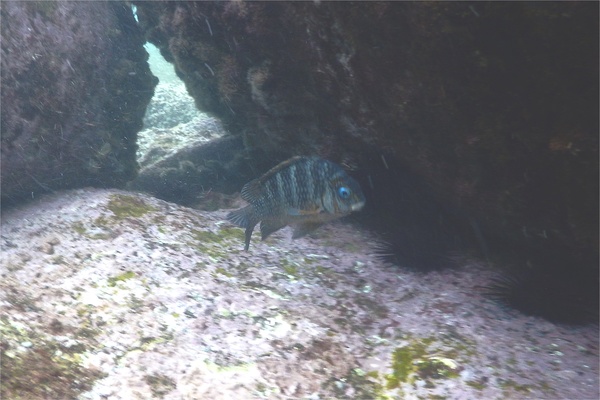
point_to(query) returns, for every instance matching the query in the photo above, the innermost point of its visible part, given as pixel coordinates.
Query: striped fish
(304, 192)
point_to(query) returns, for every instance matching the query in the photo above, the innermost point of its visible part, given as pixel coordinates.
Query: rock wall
(75, 85)
(494, 105)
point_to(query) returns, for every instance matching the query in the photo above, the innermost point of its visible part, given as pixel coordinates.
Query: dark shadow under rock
(420, 231)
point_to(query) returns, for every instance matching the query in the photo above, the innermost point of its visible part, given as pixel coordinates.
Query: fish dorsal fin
(253, 189)
(280, 166)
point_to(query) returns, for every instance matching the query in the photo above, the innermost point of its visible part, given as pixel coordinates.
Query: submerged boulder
(113, 294)
(493, 106)
(75, 85)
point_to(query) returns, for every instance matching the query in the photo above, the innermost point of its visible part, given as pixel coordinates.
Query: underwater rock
(156, 143)
(141, 298)
(494, 106)
(170, 106)
(185, 170)
(75, 85)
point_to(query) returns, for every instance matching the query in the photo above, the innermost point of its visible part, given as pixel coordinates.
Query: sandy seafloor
(107, 294)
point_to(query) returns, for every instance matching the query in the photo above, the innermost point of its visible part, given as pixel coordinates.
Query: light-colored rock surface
(172, 121)
(157, 144)
(114, 295)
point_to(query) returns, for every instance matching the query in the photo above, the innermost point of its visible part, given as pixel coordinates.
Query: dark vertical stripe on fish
(280, 187)
(293, 184)
(319, 176)
(271, 196)
(302, 184)
(307, 188)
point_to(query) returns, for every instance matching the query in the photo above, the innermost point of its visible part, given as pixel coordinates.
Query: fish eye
(344, 192)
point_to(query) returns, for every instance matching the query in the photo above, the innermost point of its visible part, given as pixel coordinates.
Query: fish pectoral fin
(269, 226)
(304, 228)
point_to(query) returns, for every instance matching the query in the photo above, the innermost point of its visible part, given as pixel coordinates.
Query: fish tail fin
(246, 218)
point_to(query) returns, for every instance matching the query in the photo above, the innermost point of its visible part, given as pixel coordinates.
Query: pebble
(46, 248)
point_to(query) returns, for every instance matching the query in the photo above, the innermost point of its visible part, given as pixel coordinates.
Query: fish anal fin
(268, 226)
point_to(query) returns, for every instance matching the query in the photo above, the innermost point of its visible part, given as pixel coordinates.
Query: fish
(303, 192)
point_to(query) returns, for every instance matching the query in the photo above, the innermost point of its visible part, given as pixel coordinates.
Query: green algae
(102, 222)
(30, 370)
(123, 206)
(87, 333)
(99, 223)
(22, 301)
(200, 266)
(324, 271)
(262, 288)
(479, 385)
(217, 246)
(415, 361)
(206, 236)
(375, 307)
(135, 304)
(290, 268)
(365, 385)
(224, 272)
(264, 390)
(160, 384)
(228, 232)
(224, 234)
(403, 363)
(437, 368)
(78, 227)
(57, 260)
(45, 9)
(510, 384)
(112, 281)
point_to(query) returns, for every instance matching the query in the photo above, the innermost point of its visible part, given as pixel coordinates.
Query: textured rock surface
(183, 174)
(75, 84)
(110, 294)
(170, 106)
(493, 104)
(185, 155)
(174, 163)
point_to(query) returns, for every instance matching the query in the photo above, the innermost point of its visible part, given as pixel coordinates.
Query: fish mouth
(357, 206)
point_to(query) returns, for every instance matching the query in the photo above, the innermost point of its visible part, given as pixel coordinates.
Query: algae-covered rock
(141, 298)
(75, 84)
